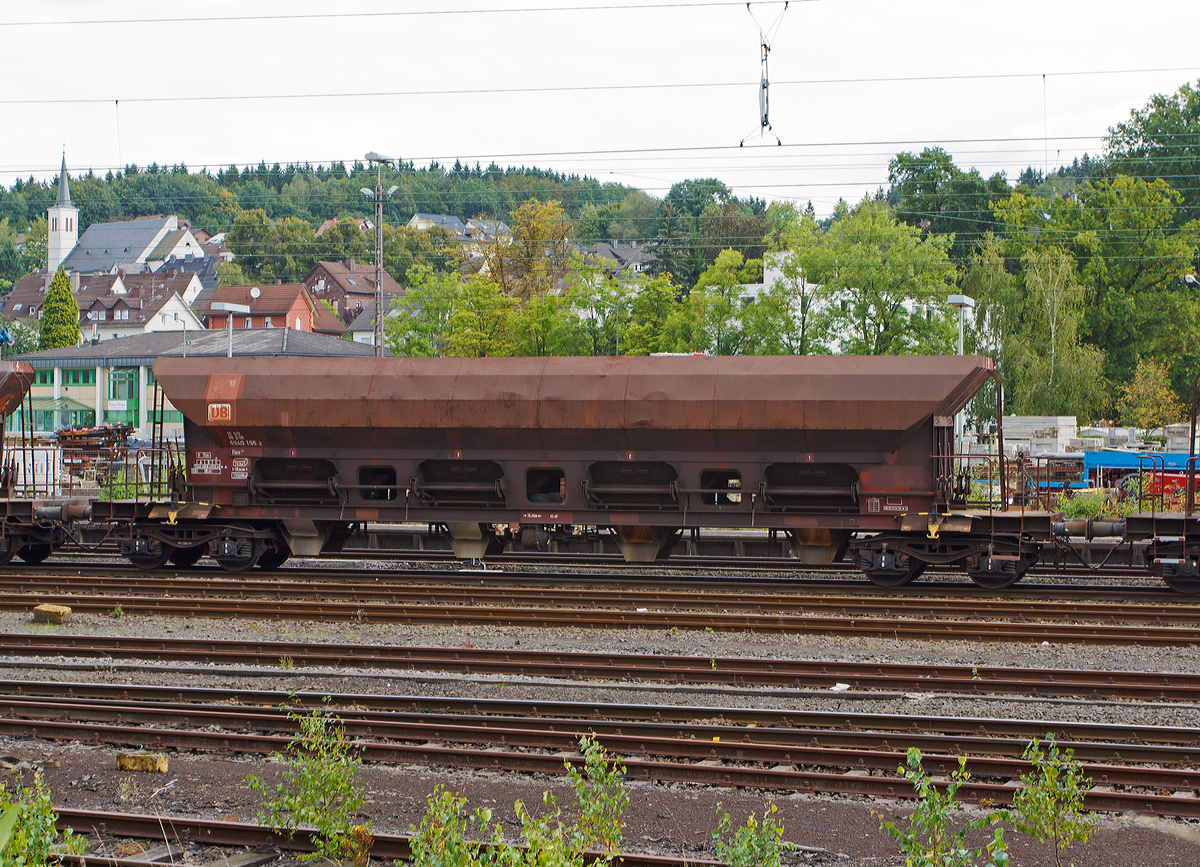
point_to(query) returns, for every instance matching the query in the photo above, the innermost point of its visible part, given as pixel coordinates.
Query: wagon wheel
(34, 552)
(185, 557)
(8, 547)
(248, 550)
(999, 578)
(273, 556)
(1187, 585)
(154, 557)
(891, 580)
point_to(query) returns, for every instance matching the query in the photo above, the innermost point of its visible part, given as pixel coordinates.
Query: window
(43, 377)
(149, 376)
(80, 376)
(297, 323)
(267, 322)
(123, 384)
(248, 321)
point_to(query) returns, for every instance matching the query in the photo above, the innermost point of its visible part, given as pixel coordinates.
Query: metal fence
(47, 472)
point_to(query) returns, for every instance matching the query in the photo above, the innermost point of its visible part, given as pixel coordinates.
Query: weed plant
(28, 837)
(319, 790)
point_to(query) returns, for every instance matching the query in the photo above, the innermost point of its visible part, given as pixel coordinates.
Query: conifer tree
(60, 315)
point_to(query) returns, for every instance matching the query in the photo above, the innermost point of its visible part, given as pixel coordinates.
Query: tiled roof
(105, 245)
(167, 244)
(28, 292)
(352, 277)
(325, 321)
(274, 299)
(446, 221)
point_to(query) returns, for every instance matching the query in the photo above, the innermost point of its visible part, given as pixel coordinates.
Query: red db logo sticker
(220, 412)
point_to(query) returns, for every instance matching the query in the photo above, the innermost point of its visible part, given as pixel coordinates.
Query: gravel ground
(663, 818)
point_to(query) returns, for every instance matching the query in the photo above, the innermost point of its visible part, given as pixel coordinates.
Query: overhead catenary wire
(582, 88)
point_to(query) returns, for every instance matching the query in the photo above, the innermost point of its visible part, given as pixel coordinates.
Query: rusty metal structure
(844, 454)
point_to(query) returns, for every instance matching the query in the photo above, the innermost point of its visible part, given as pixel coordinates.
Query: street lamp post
(963, 303)
(379, 160)
(229, 309)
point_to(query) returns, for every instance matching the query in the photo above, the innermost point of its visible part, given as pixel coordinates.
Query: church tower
(62, 224)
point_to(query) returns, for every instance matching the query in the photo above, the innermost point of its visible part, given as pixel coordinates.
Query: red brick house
(349, 285)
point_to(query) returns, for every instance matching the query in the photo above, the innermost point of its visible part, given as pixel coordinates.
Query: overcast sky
(649, 92)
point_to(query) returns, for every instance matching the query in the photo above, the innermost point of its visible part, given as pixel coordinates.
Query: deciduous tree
(1147, 400)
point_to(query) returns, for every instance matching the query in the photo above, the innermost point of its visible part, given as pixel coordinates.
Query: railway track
(811, 752)
(614, 568)
(797, 674)
(223, 833)
(914, 617)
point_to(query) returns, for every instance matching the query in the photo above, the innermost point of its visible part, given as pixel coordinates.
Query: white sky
(838, 136)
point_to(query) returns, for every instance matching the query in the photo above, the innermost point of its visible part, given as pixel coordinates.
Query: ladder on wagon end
(166, 460)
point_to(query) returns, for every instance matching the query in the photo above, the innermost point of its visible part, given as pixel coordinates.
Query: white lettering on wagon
(207, 465)
(240, 468)
(237, 439)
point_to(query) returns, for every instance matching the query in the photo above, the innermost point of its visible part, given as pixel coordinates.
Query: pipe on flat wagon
(64, 512)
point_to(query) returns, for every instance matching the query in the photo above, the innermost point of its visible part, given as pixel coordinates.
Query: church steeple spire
(62, 224)
(64, 189)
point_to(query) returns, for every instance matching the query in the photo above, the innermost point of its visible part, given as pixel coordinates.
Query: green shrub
(547, 841)
(1049, 806)
(752, 845)
(933, 837)
(319, 790)
(27, 833)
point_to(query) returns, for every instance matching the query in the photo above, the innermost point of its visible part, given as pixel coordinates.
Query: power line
(412, 13)
(583, 88)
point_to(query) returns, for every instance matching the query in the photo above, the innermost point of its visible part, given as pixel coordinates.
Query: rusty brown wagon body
(287, 454)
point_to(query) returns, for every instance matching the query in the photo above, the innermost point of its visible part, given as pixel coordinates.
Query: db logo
(220, 412)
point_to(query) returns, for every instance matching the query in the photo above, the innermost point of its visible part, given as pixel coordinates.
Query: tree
(1130, 258)
(251, 240)
(650, 306)
(344, 240)
(634, 218)
(1147, 401)
(545, 326)
(731, 226)
(25, 339)
(480, 322)
(538, 257)
(1160, 141)
(791, 317)
(886, 283)
(35, 250)
(717, 302)
(60, 315)
(291, 251)
(231, 274)
(421, 326)
(929, 191)
(1049, 370)
(675, 247)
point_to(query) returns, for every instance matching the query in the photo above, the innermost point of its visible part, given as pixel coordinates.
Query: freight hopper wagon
(845, 454)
